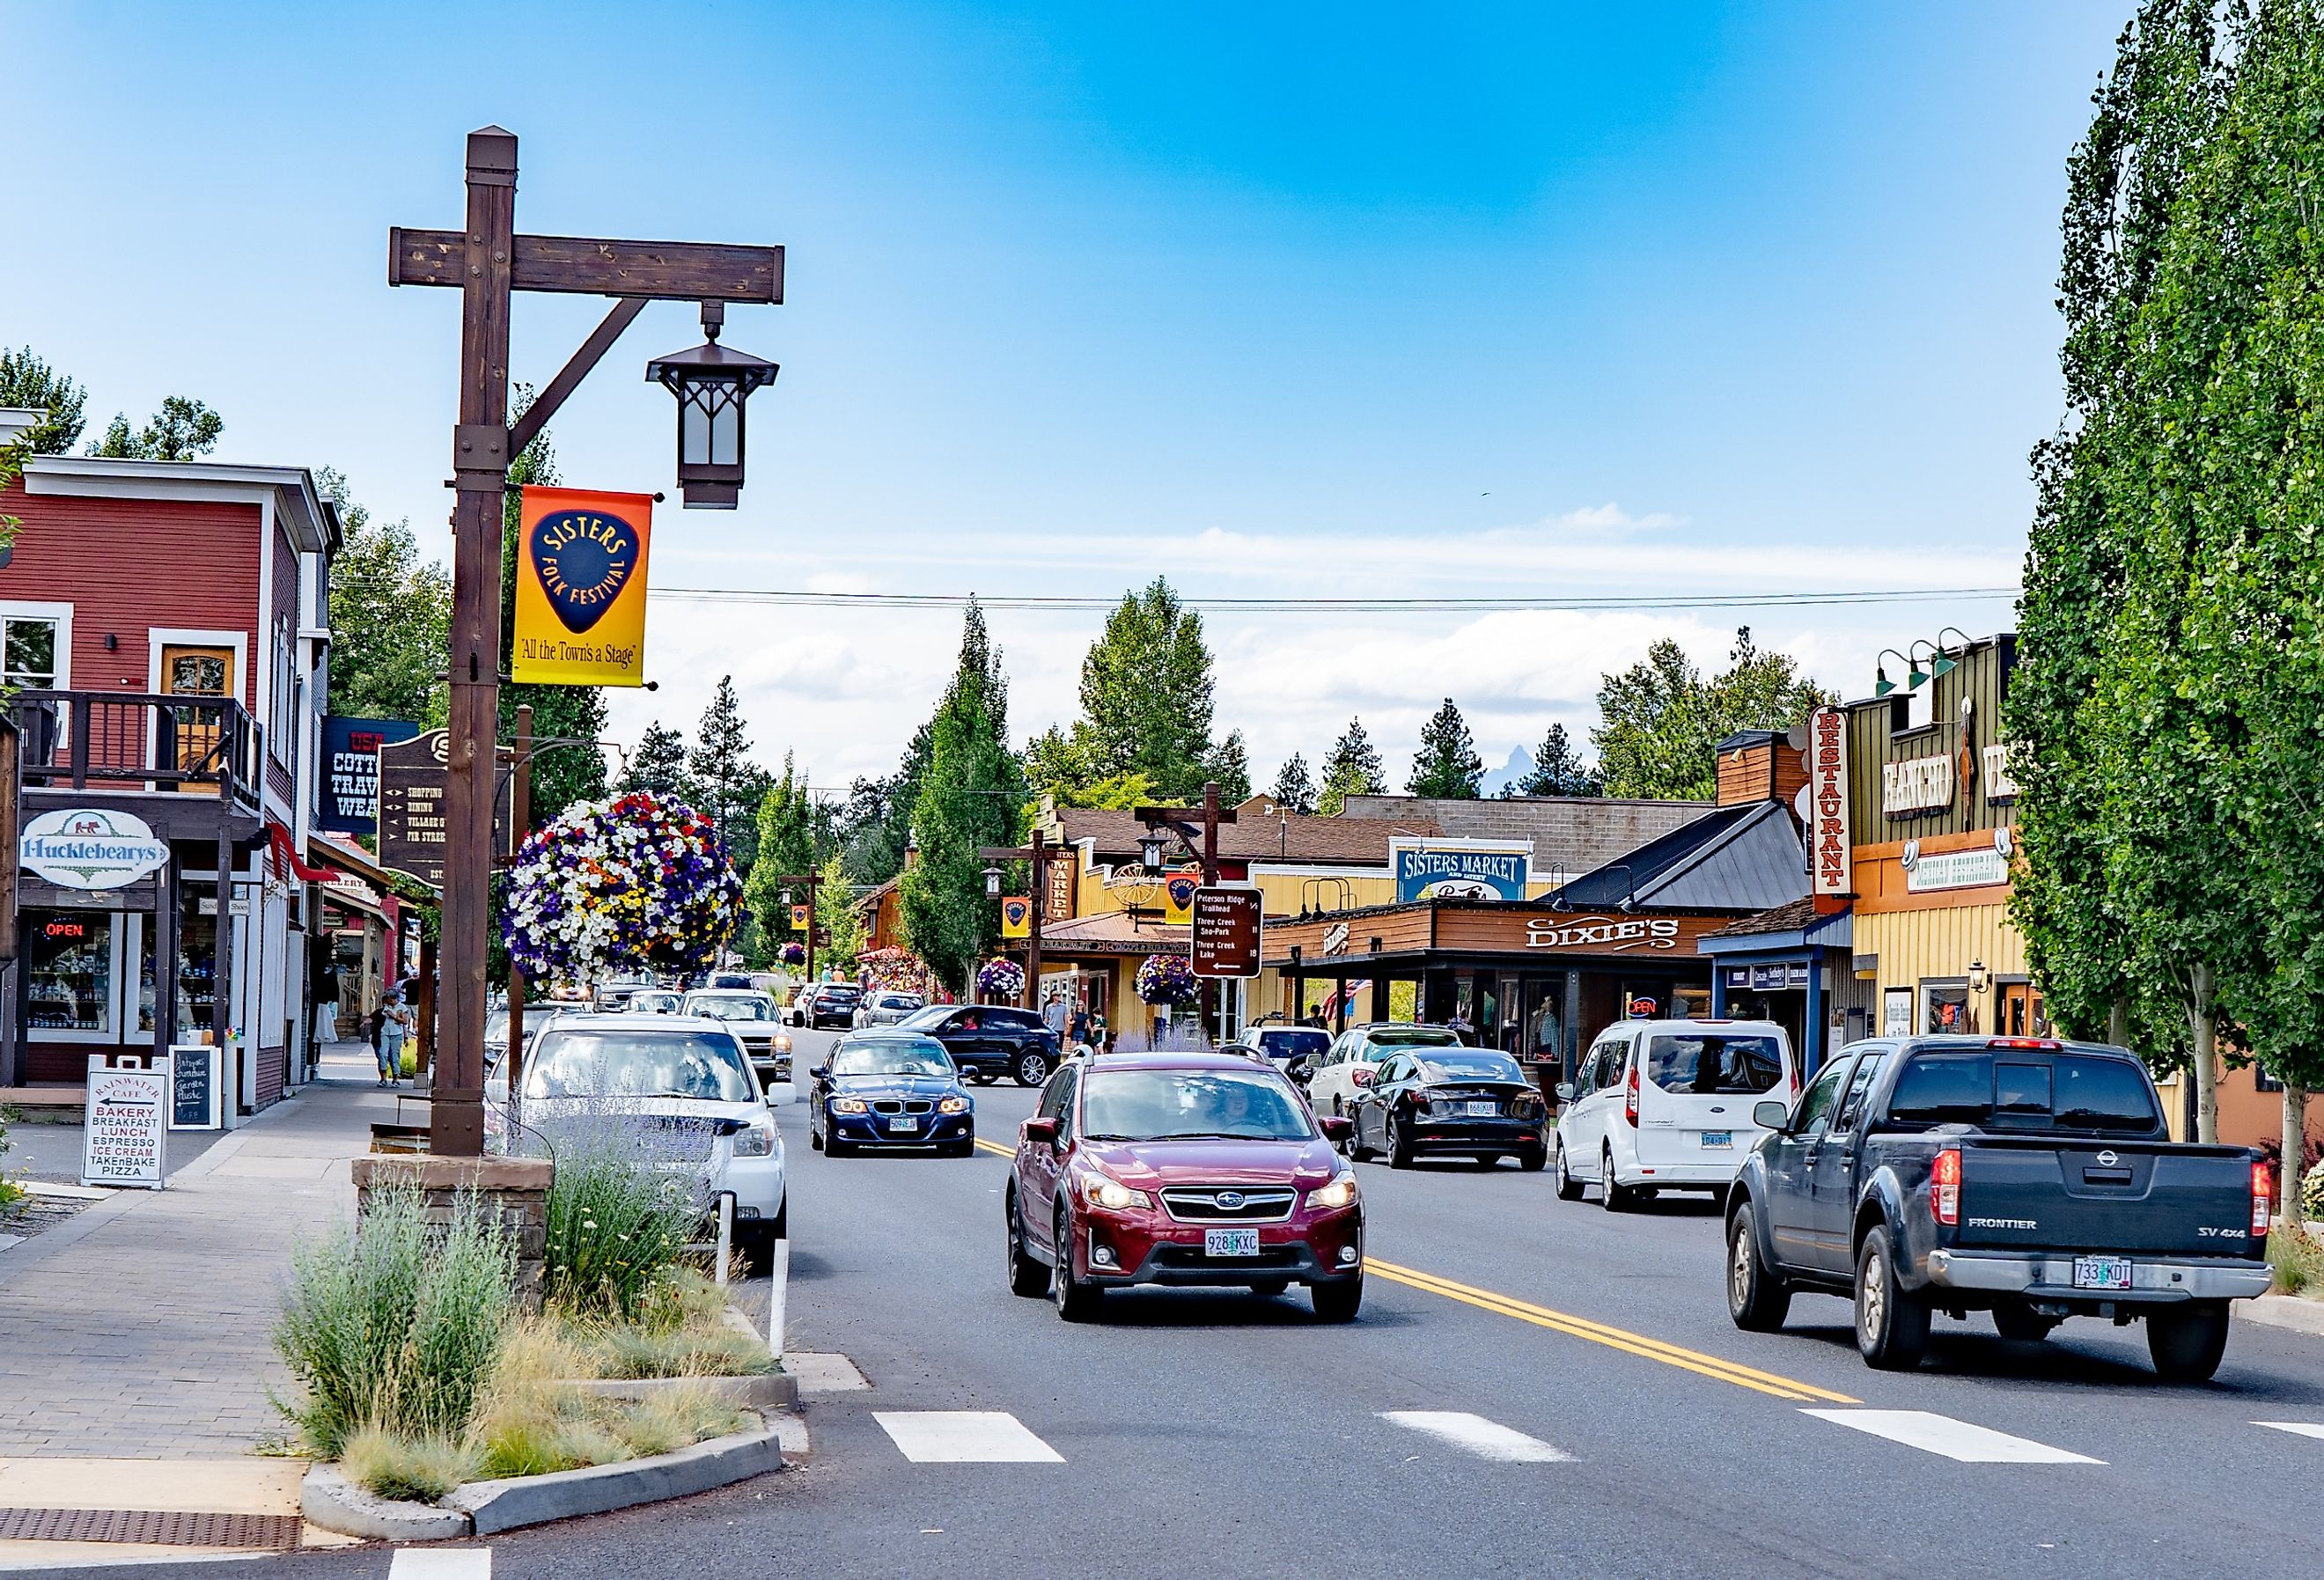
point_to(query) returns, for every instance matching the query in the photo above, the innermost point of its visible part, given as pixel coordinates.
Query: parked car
(655, 1002)
(889, 1088)
(1667, 1105)
(1181, 1169)
(720, 980)
(753, 1019)
(885, 1009)
(1341, 1072)
(1284, 1045)
(988, 1041)
(496, 1026)
(674, 1076)
(2029, 1177)
(826, 1004)
(613, 994)
(1451, 1103)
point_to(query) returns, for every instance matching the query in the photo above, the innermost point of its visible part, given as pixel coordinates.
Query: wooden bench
(398, 1137)
(43, 1097)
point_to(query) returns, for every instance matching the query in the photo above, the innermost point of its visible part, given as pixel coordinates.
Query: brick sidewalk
(142, 1332)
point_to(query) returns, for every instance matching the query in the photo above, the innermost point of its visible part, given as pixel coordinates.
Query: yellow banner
(798, 919)
(581, 588)
(1016, 917)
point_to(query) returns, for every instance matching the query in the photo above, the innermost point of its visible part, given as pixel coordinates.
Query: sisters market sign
(1459, 872)
(84, 848)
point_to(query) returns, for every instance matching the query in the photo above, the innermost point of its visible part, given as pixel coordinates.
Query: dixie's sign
(1446, 871)
(1612, 935)
(84, 848)
(1828, 838)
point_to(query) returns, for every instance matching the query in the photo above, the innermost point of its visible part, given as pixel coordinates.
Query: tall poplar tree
(971, 795)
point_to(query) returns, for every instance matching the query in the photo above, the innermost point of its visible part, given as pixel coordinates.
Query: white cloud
(1612, 517)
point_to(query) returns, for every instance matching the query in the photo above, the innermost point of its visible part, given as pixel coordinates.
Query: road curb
(329, 1500)
(2293, 1312)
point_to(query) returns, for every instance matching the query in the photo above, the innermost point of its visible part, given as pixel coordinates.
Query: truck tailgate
(2053, 1193)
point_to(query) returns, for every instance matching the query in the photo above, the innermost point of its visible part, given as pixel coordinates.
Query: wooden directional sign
(412, 779)
(1228, 925)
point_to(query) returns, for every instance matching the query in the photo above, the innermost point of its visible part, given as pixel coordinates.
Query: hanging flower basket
(637, 883)
(1000, 981)
(794, 954)
(1169, 979)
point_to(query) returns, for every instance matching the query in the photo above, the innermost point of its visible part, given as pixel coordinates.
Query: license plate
(1719, 1138)
(2101, 1272)
(1481, 1110)
(905, 1121)
(1229, 1243)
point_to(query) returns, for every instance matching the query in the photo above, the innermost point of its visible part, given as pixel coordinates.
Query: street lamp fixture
(1944, 664)
(1980, 978)
(1154, 848)
(1919, 677)
(711, 384)
(1881, 684)
(992, 882)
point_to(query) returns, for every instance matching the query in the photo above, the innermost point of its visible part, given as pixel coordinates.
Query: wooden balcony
(114, 743)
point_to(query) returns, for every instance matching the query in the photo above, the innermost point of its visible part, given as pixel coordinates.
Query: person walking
(1053, 1013)
(395, 1024)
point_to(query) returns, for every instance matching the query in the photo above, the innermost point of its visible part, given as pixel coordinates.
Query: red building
(164, 625)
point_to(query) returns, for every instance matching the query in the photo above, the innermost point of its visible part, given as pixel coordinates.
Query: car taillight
(1361, 1074)
(1630, 1098)
(2262, 1198)
(1944, 1186)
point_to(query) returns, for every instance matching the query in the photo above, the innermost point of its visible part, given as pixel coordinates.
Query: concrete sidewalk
(139, 1330)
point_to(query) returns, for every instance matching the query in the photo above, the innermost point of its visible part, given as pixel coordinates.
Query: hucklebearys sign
(581, 588)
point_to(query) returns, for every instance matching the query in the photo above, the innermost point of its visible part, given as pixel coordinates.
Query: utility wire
(1311, 605)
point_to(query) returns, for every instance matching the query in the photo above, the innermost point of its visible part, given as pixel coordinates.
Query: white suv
(1666, 1105)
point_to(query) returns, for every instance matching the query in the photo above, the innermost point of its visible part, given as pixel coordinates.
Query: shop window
(1945, 1007)
(68, 972)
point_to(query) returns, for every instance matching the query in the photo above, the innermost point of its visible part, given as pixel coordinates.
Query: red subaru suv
(1179, 1169)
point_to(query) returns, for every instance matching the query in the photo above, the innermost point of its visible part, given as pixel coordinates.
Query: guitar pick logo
(582, 558)
(1182, 887)
(1015, 912)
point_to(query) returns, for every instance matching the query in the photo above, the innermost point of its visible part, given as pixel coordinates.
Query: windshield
(835, 991)
(1478, 1066)
(2066, 1092)
(736, 1009)
(926, 1017)
(496, 1025)
(891, 1056)
(897, 1001)
(581, 1063)
(1154, 1105)
(1412, 1036)
(1293, 1044)
(1712, 1063)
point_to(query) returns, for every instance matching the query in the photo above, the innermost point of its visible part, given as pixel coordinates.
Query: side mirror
(821, 1072)
(1771, 1116)
(1041, 1128)
(1336, 1127)
(1565, 1091)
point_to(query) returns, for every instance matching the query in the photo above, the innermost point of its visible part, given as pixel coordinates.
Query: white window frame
(61, 616)
(157, 637)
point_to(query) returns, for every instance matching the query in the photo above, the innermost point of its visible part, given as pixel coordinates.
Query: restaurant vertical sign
(1830, 873)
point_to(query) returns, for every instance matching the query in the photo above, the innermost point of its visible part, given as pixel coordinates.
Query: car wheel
(1027, 1277)
(813, 1139)
(1399, 1145)
(1611, 1195)
(755, 1238)
(2022, 1324)
(1076, 1301)
(1568, 1188)
(1534, 1159)
(1271, 1288)
(2187, 1342)
(1337, 1302)
(1891, 1324)
(1032, 1068)
(781, 1228)
(1757, 1300)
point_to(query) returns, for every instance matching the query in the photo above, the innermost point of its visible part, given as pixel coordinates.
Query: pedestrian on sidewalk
(395, 1023)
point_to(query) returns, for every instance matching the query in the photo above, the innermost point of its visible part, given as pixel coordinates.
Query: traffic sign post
(1229, 925)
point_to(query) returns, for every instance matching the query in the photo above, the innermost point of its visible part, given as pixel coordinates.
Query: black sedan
(1451, 1102)
(885, 1089)
(829, 1005)
(991, 1041)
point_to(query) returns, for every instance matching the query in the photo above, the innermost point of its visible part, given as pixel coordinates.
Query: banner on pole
(581, 588)
(1016, 915)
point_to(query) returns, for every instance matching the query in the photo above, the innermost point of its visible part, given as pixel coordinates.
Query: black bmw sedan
(1451, 1102)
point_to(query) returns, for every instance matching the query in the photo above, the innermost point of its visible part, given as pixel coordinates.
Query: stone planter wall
(516, 1188)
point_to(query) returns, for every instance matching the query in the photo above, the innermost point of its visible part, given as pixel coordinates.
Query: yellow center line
(995, 1148)
(1598, 1333)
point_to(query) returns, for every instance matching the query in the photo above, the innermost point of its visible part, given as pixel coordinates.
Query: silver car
(885, 1009)
(754, 1018)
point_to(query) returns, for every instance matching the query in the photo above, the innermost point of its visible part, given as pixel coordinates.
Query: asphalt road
(1200, 1434)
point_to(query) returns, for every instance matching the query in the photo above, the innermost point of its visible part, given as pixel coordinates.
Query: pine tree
(1293, 791)
(1230, 766)
(1354, 769)
(1558, 769)
(726, 784)
(1447, 763)
(659, 764)
(971, 795)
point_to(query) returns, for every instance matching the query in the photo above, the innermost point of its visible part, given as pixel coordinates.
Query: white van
(1666, 1105)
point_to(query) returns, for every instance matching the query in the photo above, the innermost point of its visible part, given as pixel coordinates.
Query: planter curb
(327, 1498)
(768, 1392)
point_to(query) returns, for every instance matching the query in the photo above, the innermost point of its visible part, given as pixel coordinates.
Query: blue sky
(1342, 300)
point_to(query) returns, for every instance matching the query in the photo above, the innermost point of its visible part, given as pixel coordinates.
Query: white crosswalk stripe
(1936, 1433)
(965, 1437)
(2305, 1428)
(441, 1563)
(1485, 1440)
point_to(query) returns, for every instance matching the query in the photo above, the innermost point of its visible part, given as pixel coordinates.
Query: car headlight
(952, 1106)
(782, 1043)
(1340, 1192)
(850, 1105)
(1101, 1191)
(756, 1141)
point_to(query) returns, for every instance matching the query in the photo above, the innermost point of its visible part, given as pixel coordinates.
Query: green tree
(658, 765)
(878, 824)
(972, 795)
(786, 843)
(180, 431)
(1352, 769)
(563, 774)
(1230, 766)
(726, 784)
(1661, 719)
(391, 615)
(1292, 789)
(29, 383)
(1447, 763)
(841, 942)
(1558, 769)
(1146, 694)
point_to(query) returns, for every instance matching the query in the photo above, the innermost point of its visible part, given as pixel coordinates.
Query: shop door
(2019, 1012)
(196, 671)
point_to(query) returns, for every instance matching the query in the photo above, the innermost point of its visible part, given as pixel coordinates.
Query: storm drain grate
(161, 1527)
